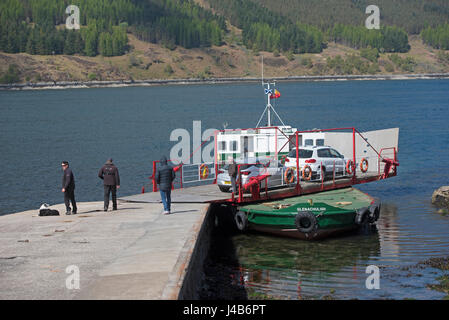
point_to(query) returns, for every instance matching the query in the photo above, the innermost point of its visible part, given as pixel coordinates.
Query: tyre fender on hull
(241, 221)
(306, 222)
(374, 211)
(362, 216)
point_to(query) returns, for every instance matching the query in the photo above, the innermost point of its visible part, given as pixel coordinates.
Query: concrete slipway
(132, 253)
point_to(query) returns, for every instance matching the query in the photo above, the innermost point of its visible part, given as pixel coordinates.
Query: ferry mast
(269, 90)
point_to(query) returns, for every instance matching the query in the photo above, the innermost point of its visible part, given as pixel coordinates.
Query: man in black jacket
(164, 178)
(68, 188)
(232, 171)
(111, 182)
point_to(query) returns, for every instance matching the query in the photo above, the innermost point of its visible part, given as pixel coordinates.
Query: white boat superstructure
(276, 141)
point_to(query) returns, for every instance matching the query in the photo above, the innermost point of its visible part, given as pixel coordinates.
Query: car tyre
(224, 189)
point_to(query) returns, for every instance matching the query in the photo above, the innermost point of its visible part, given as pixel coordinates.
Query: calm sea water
(39, 129)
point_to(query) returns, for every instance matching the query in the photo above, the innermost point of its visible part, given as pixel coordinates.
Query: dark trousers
(234, 185)
(166, 199)
(107, 191)
(69, 196)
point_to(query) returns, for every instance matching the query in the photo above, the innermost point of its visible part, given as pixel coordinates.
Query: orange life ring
(204, 171)
(350, 167)
(307, 176)
(364, 165)
(290, 179)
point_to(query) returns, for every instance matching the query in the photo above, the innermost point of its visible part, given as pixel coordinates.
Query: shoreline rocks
(440, 197)
(151, 82)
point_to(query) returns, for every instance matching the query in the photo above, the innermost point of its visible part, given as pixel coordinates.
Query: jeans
(108, 190)
(166, 199)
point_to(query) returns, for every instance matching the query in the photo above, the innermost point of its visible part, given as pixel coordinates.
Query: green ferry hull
(294, 233)
(314, 216)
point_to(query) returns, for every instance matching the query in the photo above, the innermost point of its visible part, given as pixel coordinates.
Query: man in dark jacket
(111, 182)
(164, 178)
(232, 171)
(68, 188)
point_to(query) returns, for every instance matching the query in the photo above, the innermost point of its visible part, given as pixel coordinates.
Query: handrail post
(298, 185)
(215, 156)
(240, 185)
(266, 187)
(353, 154)
(395, 160)
(276, 144)
(378, 162)
(154, 177)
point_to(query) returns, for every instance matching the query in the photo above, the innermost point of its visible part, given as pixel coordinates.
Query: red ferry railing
(386, 156)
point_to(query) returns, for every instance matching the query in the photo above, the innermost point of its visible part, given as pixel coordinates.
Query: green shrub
(372, 54)
(389, 67)
(134, 61)
(12, 75)
(405, 64)
(92, 76)
(443, 56)
(168, 70)
(207, 71)
(307, 62)
(373, 68)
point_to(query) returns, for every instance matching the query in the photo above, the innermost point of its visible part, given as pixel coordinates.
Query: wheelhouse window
(308, 142)
(319, 142)
(222, 146)
(233, 145)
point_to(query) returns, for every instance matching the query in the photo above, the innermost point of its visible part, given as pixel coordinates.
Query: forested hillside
(143, 39)
(266, 28)
(296, 26)
(411, 15)
(32, 25)
(437, 37)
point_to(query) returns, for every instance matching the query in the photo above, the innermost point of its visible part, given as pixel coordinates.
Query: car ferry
(299, 158)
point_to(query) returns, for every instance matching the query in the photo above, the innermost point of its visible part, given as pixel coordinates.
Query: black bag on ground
(46, 211)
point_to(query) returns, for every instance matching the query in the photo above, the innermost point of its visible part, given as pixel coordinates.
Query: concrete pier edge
(182, 281)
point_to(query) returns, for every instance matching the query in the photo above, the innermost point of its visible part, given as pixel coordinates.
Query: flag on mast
(276, 94)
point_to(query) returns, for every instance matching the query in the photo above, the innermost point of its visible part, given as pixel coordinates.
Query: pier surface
(132, 253)
(198, 194)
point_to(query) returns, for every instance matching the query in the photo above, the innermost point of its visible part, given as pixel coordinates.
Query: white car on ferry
(318, 159)
(252, 167)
